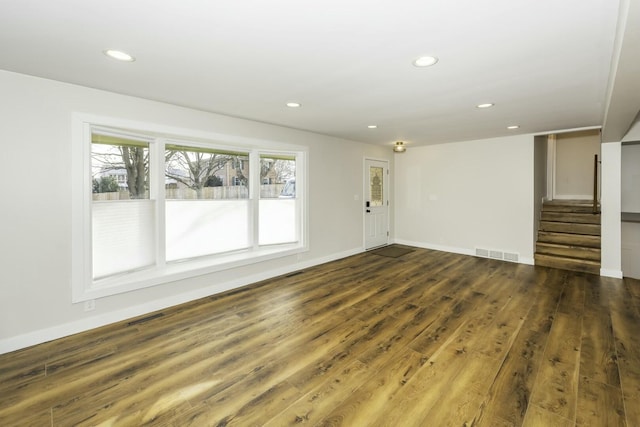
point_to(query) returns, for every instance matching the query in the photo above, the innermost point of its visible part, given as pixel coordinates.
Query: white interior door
(376, 203)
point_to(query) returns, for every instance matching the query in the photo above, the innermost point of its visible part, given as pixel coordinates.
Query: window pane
(275, 173)
(120, 168)
(204, 227)
(277, 218)
(123, 236)
(122, 216)
(195, 173)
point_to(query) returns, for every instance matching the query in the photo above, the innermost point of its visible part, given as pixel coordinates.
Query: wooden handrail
(595, 184)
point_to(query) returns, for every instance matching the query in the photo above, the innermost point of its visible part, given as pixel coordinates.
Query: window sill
(172, 272)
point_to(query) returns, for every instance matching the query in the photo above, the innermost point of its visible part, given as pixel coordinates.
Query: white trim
(455, 250)
(43, 335)
(387, 185)
(555, 132)
(611, 273)
(85, 288)
(551, 166)
(436, 247)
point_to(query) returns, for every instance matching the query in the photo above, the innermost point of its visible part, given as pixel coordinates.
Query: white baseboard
(59, 331)
(611, 273)
(452, 249)
(455, 250)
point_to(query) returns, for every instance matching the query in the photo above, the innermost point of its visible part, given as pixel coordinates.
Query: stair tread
(569, 206)
(569, 236)
(569, 222)
(571, 202)
(567, 259)
(569, 246)
(563, 233)
(581, 240)
(571, 217)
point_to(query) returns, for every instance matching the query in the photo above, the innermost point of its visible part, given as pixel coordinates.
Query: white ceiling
(544, 63)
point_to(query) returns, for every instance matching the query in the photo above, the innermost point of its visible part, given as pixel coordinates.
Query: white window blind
(123, 236)
(205, 227)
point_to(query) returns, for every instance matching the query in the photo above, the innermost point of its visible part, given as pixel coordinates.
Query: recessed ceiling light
(425, 61)
(119, 55)
(294, 104)
(373, 126)
(487, 105)
(513, 127)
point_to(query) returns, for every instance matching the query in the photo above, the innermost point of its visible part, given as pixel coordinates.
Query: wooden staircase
(569, 236)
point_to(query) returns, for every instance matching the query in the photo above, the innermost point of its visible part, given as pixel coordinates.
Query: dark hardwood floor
(427, 339)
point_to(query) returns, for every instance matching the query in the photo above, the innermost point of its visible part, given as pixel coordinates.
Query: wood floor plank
(460, 404)
(368, 402)
(451, 374)
(539, 417)
(428, 338)
(573, 295)
(443, 328)
(508, 397)
(599, 405)
(556, 387)
(598, 359)
(625, 321)
(545, 305)
(321, 399)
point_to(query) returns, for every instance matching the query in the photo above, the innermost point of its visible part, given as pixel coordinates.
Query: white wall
(610, 205)
(540, 153)
(464, 195)
(574, 164)
(631, 249)
(630, 178)
(630, 201)
(35, 226)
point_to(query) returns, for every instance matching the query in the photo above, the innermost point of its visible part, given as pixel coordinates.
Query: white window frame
(84, 287)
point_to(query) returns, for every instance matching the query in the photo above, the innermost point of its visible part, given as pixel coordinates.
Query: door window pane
(376, 183)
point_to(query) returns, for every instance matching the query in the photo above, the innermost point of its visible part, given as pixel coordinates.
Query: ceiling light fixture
(293, 104)
(487, 105)
(425, 61)
(119, 55)
(399, 147)
(513, 127)
(373, 126)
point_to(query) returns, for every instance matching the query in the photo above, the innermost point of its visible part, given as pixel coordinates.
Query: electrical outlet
(90, 305)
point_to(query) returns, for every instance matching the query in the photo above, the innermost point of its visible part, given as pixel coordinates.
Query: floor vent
(145, 319)
(295, 273)
(495, 254)
(482, 252)
(510, 257)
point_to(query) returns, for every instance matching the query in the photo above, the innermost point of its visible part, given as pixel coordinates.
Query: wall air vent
(482, 252)
(510, 257)
(495, 254)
